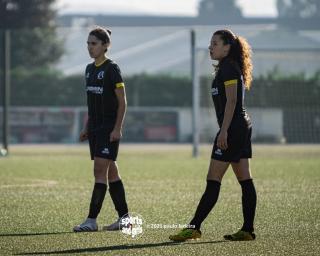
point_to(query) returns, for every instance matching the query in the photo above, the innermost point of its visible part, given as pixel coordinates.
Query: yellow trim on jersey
(231, 82)
(99, 64)
(119, 85)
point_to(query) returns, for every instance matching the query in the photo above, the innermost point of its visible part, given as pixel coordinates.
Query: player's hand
(115, 135)
(83, 135)
(222, 142)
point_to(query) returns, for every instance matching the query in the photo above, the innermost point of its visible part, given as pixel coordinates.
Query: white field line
(33, 184)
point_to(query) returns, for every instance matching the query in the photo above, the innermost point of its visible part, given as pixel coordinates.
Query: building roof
(167, 49)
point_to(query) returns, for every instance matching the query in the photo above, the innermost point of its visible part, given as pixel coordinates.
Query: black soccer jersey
(101, 82)
(228, 75)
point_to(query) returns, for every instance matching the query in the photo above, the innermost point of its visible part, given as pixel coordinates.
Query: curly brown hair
(240, 53)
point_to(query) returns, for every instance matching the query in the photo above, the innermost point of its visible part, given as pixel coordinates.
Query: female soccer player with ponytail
(107, 103)
(232, 145)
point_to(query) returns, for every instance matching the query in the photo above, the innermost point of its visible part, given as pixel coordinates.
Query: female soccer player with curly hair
(232, 145)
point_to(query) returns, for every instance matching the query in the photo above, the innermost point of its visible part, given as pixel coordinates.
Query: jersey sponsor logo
(105, 151)
(87, 75)
(218, 152)
(214, 91)
(95, 89)
(100, 75)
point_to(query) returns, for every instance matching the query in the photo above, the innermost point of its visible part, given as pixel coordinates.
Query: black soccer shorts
(100, 145)
(239, 145)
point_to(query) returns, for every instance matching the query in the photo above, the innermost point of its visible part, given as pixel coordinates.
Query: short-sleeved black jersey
(228, 75)
(101, 82)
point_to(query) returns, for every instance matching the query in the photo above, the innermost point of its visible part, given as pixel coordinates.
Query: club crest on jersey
(87, 75)
(100, 75)
(214, 91)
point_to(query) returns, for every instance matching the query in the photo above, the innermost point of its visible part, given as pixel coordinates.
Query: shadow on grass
(36, 234)
(120, 247)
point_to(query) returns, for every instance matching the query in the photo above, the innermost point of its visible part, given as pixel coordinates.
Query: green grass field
(45, 191)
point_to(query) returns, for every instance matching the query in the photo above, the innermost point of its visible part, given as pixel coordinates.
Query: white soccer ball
(3, 152)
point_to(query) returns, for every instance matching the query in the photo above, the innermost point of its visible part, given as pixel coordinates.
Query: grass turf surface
(45, 191)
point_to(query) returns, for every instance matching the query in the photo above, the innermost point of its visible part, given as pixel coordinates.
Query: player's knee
(240, 178)
(98, 169)
(113, 176)
(100, 172)
(243, 176)
(100, 176)
(215, 176)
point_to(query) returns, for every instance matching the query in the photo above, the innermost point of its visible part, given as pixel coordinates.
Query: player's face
(217, 49)
(96, 47)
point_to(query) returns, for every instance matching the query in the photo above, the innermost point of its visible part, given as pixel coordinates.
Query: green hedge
(159, 90)
(276, 93)
(49, 88)
(44, 87)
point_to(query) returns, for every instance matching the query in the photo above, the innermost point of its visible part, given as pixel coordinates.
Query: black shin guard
(249, 201)
(98, 194)
(118, 197)
(207, 202)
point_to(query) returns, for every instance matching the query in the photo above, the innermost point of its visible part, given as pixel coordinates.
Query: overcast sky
(261, 8)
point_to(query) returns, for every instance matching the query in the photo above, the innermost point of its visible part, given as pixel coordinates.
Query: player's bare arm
(116, 134)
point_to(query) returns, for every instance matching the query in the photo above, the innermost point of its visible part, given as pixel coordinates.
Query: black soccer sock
(207, 202)
(249, 201)
(98, 194)
(118, 197)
